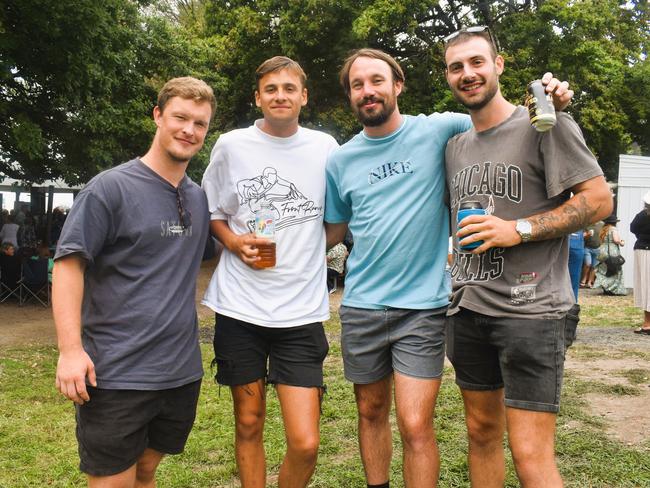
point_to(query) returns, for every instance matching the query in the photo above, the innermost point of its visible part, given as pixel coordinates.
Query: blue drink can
(466, 209)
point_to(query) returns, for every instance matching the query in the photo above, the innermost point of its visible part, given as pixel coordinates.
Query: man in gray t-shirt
(123, 292)
(511, 315)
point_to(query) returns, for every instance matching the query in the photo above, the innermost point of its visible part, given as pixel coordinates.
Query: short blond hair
(189, 88)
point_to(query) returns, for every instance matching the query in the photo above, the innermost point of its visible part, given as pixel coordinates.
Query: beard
(377, 118)
(477, 103)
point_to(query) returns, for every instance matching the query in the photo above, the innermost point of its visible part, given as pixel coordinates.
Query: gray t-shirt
(515, 172)
(139, 314)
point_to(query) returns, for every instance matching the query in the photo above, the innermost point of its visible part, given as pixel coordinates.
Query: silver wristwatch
(525, 229)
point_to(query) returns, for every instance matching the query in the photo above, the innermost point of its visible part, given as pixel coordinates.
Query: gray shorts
(377, 342)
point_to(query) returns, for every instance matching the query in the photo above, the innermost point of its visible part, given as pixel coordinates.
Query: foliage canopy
(78, 78)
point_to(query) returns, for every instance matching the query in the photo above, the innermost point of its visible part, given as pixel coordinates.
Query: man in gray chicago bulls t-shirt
(509, 321)
(123, 292)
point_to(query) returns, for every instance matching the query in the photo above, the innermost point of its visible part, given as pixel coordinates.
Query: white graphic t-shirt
(250, 168)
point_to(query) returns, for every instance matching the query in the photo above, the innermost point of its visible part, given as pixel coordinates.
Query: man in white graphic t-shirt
(271, 316)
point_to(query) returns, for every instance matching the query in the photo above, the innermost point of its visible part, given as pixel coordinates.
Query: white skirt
(642, 279)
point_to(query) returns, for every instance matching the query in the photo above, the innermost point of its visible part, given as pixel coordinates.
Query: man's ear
(157, 115)
(500, 63)
(399, 86)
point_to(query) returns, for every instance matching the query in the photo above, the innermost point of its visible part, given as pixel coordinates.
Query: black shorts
(523, 356)
(116, 426)
(295, 355)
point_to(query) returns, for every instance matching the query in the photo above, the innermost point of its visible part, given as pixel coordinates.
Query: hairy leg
(415, 400)
(486, 423)
(532, 442)
(375, 442)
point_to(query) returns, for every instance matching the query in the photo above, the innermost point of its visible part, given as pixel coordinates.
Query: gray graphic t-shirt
(139, 314)
(515, 172)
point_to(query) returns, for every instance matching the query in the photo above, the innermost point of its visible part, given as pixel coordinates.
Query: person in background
(8, 249)
(592, 243)
(640, 227)
(611, 281)
(576, 258)
(335, 265)
(9, 231)
(43, 252)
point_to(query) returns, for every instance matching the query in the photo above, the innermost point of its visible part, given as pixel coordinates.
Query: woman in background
(611, 243)
(640, 227)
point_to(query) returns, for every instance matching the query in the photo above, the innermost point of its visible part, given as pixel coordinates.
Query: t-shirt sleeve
(216, 184)
(567, 159)
(88, 226)
(451, 123)
(337, 211)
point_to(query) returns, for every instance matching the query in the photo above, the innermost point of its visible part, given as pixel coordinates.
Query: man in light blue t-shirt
(387, 185)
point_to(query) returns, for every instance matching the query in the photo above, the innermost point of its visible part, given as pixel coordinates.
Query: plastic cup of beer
(265, 229)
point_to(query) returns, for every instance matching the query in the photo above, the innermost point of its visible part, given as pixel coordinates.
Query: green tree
(77, 81)
(78, 78)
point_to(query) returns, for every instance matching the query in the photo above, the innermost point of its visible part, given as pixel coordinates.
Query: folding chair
(35, 282)
(9, 277)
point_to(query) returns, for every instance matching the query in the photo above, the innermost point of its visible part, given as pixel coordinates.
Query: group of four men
(129, 254)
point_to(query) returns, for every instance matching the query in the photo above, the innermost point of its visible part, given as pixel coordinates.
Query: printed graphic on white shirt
(288, 203)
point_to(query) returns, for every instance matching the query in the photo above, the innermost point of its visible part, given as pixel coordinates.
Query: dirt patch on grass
(626, 416)
(617, 358)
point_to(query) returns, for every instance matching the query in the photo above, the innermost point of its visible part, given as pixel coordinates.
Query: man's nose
(468, 72)
(368, 89)
(188, 127)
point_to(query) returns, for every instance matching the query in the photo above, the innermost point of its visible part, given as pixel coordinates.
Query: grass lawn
(38, 446)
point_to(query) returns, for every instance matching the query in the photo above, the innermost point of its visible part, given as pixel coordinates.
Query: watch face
(524, 229)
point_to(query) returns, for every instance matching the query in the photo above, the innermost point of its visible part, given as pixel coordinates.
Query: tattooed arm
(591, 202)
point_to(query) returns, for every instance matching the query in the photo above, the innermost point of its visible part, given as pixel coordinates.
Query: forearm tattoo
(573, 215)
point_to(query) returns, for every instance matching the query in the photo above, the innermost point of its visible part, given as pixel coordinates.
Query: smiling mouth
(471, 86)
(370, 103)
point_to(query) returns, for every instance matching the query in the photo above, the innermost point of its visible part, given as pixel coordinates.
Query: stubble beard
(477, 104)
(378, 118)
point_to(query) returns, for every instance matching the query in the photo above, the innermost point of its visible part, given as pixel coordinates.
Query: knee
(250, 426)
(529, 459)
(417, 432)
(485, 432)
(145, 471)
(304, 449)
(373, 411)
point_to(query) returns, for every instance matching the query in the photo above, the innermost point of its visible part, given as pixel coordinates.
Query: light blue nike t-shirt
(391, 192)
